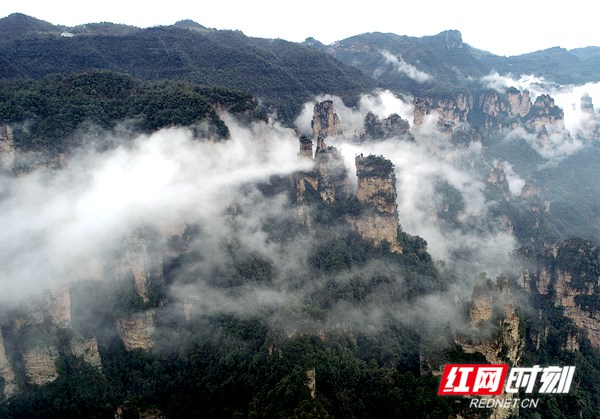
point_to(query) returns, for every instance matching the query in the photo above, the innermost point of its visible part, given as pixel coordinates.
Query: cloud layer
(405, 68)
(56, 220)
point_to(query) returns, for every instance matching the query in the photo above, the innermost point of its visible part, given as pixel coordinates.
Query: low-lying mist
(57, 220)
(251, 254)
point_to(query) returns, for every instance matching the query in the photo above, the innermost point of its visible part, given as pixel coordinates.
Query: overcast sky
(508, 27)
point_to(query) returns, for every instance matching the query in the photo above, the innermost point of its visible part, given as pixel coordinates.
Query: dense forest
(48, 112)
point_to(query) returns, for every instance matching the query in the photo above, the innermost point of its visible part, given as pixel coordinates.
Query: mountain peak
(19, 24)
(189, 24)
(312, 42)
(451, 38)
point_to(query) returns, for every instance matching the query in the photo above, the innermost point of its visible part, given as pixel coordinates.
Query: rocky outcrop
(306, 147)
(566, 275)
(7, 373)
(7, 148)
(572, 342)
(492, 111)
(545, 113)
(86, 349)
(56, 303)
(137, 330)
(325, 122)
(311, 382)
(493, 306)
(377, 220)
(40, 365)
(589, 127)
(145, 265)
(516, 103)
(381, 129)
(328, 181)
(528, 190)
(499, 111)
(376, 192)
(566, 296)
(35, 344)
(37, 332)
(482, 305)
(451, 112)
(497, 180)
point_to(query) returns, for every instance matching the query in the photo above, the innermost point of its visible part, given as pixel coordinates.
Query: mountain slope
(409, 63)
(282, 73)
(444, 61)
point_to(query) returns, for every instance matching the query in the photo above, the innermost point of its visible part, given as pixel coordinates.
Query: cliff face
(566, 296)
(376, 192)
(311, 382)
(7, 148)
(42, 331)
(590, 126)
(570, 275)
(137, 330)
(328, 181)
(504, 110)
(493, 306)
(306, 147)
(37, 340)
(492, 111)
(36, 346)
(325, 122)
(451, 111)
(145, 265)
(7, 372)
(497, 179)
(380, 129)
(56, 303)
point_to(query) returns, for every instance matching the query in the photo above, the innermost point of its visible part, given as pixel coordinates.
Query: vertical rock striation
(137, 330)
(376, 192)
(325, 122)
(7, 373)
(7, 148)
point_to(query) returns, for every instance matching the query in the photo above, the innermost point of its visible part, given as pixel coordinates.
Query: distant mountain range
(283, 74)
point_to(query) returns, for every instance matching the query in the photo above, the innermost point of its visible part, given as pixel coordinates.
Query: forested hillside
(281, 73)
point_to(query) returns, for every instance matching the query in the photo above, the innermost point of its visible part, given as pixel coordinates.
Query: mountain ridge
(30, 23)
(284, 74)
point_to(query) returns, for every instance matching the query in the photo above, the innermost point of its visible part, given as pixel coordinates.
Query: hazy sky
(509, 27)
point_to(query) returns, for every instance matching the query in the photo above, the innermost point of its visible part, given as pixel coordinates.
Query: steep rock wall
(36, 347)
(492, 111)
(7, 148)
(566, 294)
(137, 330)
(325, 122)
(568, 274)
(376, 192)
(7, 372)
(493, 305)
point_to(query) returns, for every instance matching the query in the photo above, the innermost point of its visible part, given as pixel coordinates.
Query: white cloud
(56, 221)
(384, 103)
(405, 68)
(417, 171)
(515, 182)
(568, 97)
